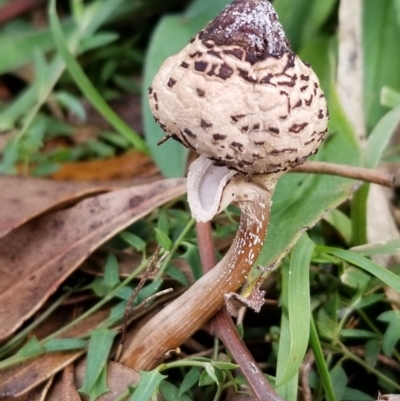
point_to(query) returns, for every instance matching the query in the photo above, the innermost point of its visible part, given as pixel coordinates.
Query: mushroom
(240, 97)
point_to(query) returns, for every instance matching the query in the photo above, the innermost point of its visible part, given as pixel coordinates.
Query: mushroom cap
(238, 95)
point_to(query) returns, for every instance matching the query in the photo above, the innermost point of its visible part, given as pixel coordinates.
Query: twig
(17, 7)
(223, 327)
(304, 372)
(153, 266)
(342, 170)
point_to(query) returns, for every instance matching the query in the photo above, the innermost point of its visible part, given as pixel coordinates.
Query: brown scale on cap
(240, 76)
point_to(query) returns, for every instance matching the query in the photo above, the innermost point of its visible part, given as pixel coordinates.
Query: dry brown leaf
(39, 256)
(129, 165)
(119, 377)
(18, 380)
(69, 390)
(23, 198)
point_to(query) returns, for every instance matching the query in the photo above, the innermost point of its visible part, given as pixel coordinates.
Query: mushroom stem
(181, 318)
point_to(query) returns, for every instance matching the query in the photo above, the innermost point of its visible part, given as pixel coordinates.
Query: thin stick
(223, 327)
(342, 170)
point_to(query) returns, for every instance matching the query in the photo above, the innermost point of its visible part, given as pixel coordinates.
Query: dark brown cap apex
(250, 24)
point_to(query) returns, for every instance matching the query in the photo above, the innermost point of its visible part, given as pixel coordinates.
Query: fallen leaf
(129, 165)
(39, 256)
(19, 380)
(23, 198)
(119, 377)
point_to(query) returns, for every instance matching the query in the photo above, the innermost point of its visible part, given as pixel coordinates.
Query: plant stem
(223, 327)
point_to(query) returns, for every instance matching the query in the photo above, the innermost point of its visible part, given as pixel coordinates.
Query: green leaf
(148, 385)
(339, 380)
(382, 63)
(19, 49)
(389, 97)
(170, 36)
(64, 344)
(177, 275)
(190, 379)
(342, 224)
(163, 239)
(100, 344)
(99, 40)
(296, 300)
(314, 13)
(383, 274)
(380, 137)
(357, 333)
(378, 248)
(392, 333)
(111, 271)
(31, 349)
(133, 240)
(100, 386)
(72, 104)
(321, 363)
(352, 394)
(171, 392)
(359, 215)
(84, 83)
(211, 372)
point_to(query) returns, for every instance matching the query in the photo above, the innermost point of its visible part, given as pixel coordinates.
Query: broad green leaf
(382, 63)
(357, 333)
(148, 385)
(72, 104)
(100, 344)
(352, 394)
(64, 344)
(383, 274)
(392, 333)
(133, 240)
(171, 392)
(211, 372)
(313, 15)
(100, 386)
(378, 248)
(204, 10)
(30, 349)
(380, 137)
(190, 379)
(356, 278)
(372, 351)
(321, 363)
(163, 239)
(111, 271)
(389, 97)
(18, 49)
(340, 222)
(170, 36)
(296, 299)
(177, 274)
(339, 380)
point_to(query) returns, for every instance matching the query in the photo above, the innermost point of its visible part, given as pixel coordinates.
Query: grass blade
(389, 278)
(296, 300)
(86, 86)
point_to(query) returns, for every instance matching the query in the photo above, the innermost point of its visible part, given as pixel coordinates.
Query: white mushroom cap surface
(238, 95)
